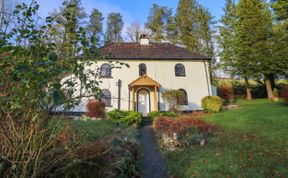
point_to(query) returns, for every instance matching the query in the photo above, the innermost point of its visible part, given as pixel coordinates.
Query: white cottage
(154, 68)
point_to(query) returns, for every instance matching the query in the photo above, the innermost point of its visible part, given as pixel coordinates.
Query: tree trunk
(268, 87)
(248, 89)
(272, 80)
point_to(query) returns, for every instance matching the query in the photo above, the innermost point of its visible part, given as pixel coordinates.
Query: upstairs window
(106, 97)
(105, 70)
(179, 70)
(182, 99)
(142, 69)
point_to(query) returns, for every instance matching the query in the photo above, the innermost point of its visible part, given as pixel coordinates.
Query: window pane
(106, 97)
(182, 99)
(105, 70)
(179, 70)
(142, 69)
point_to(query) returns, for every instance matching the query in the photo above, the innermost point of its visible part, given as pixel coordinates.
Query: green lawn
(252, 142)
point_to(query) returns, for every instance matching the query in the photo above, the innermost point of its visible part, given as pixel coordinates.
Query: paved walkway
(153, 163)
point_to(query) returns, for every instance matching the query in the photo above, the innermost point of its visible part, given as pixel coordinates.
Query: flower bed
(182, 131)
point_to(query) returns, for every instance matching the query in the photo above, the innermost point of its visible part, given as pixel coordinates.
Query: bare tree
(133, 32)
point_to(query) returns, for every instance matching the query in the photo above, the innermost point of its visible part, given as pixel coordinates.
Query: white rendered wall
(196, 82)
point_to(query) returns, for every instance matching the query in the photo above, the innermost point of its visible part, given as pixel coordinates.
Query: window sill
(180, 75)
(106, 77)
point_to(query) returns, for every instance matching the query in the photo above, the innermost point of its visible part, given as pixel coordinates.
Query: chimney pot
(144, 40)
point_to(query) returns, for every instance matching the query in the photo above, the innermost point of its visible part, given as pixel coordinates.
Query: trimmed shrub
(95, 108)
(212, 104)
(225, 92)
(125, 117)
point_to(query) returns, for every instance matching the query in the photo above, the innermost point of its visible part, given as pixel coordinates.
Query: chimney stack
(144, 40)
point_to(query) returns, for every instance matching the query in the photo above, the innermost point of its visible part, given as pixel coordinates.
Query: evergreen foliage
(114, 28)
(95, 26)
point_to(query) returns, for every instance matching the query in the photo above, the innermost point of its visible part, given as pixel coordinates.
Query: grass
(88, 130)
(252, 142)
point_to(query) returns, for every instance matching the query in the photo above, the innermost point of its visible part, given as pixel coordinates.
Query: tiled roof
(153, 51)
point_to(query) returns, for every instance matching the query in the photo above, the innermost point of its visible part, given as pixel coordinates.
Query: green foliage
(159, 20)
(280, 7)
(195, 27)
(157, 114)
(275, 92)
(170, 96)
(125, 117)
(212, 104)
(114, 27)
(252, 46)
(95, 26)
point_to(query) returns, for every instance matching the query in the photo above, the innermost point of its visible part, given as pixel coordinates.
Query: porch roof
(144, 80)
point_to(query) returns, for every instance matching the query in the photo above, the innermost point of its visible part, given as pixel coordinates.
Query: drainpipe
(119, 83)
(129, 99)
(207, 78)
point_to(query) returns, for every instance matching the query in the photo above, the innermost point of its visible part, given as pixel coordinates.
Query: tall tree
(281, 9)
(206, 31)
(114, 28)
(280, 35)
(226, 41)
(252, 32)
(156, 22)
(171, 28)
(195, 26)
(68, 19)
(95, 26)
(186, 21)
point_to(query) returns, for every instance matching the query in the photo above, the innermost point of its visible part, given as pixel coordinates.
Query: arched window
(179, 70)
(105, 70)
(182, 99)
(106, 97)
(142, 69)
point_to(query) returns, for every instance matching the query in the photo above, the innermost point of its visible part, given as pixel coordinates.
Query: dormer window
(142, 69)
(180, 70)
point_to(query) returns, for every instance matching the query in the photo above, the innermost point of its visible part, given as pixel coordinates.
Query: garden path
(152, 161)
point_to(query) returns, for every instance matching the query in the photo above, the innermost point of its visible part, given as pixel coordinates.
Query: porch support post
(133, 100)
(155, 99)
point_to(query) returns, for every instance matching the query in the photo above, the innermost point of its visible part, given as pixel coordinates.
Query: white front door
(143, 103)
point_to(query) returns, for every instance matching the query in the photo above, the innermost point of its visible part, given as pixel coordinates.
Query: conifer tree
(156, 22)
(186, 20)
(252, 33)
(194, 25)
(171, 28)
(95, 26)
(114, 28)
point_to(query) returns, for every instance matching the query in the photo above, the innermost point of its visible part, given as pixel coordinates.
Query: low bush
(95, 108)
(125, 117)
(157, 114)
(212, 104)
(182, 125)
(113, 156)
(275, 92)
(225, 92)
